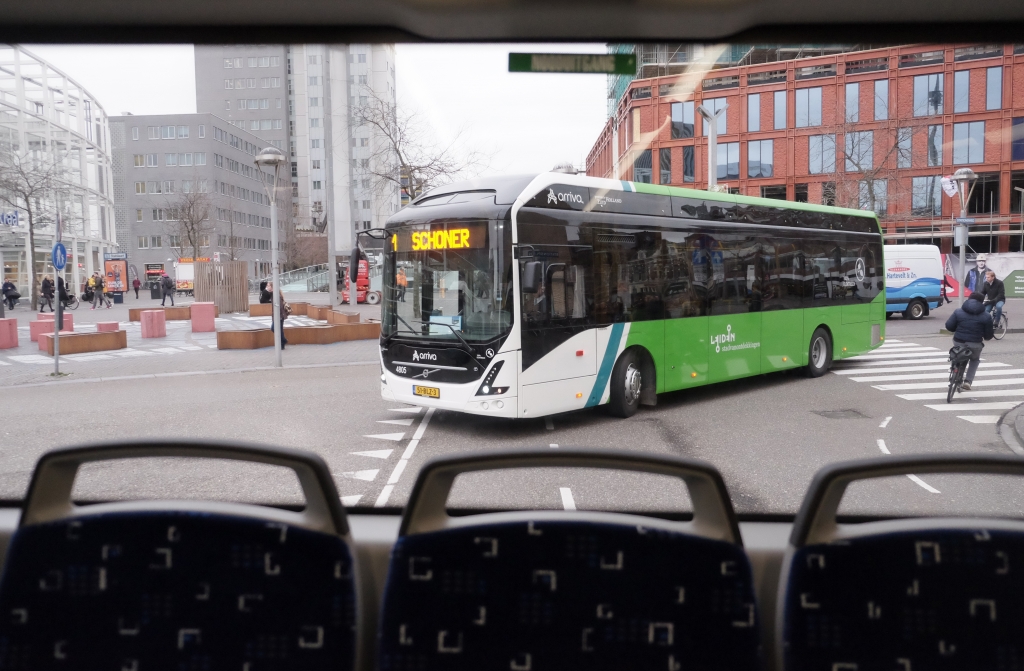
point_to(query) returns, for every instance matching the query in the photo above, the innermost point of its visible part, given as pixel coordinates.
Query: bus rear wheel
(626, 384)
(819, 355)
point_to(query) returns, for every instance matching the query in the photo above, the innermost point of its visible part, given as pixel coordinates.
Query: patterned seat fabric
(909, 601)
(181, 591)
(561, 596)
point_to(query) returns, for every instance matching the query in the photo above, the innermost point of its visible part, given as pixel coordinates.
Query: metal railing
(299, 274)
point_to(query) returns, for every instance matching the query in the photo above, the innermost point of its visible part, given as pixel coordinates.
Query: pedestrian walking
(10, 293)
(402, 281)
(98, 295)
(945, 285)
(285, 311)
(167, 285)
(62, 291)
(46, 297)
(135, 285)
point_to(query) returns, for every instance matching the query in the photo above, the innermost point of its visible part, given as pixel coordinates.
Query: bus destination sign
(440, 237)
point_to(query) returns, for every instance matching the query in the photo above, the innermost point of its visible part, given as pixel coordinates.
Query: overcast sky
(524, 122)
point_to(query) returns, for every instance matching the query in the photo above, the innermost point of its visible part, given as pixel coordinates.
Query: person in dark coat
(135, 285)
(167, 285)
(47, 295)
(9, 291)
(995, 295)
(62, 289)
(265, 295)
(971, 325)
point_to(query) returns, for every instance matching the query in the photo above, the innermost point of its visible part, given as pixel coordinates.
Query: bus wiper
(466, 346)
(411, 330)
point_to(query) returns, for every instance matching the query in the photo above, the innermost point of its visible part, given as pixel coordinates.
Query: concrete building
(331, 162)
(871, 129)
(164, 164)
(45, 113)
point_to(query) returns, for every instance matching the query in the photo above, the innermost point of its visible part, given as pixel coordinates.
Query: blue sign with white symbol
(60, 256)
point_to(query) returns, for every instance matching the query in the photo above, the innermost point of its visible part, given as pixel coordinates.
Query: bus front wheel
(819, 356)
(626, 384)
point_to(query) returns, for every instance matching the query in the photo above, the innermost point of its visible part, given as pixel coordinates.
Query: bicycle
(999, 327)
(959, 356)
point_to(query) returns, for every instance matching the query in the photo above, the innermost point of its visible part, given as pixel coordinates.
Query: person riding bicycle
(995, 295)
(970, 326)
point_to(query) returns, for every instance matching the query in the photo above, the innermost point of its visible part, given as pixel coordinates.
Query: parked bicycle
(959, 357)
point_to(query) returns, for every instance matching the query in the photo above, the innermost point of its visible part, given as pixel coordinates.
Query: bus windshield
(448, 281)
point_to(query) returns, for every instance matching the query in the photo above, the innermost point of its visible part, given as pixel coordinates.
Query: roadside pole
(60, 259)
(964, 180)
(711, 122)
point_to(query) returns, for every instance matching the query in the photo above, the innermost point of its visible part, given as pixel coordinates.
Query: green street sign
(1014, 284)
(609, 64)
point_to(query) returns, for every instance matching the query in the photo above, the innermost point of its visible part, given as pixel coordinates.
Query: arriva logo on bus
(554, 198)
(424, 356)
(729, 337)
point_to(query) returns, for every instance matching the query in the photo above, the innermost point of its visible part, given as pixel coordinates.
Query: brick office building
(872, 129)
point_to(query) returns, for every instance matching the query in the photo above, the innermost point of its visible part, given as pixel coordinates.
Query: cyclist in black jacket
(995, 295)
(970, 325)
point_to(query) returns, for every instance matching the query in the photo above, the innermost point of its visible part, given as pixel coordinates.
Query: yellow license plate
(429, 392)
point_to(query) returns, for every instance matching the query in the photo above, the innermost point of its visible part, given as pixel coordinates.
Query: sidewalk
(180, 352)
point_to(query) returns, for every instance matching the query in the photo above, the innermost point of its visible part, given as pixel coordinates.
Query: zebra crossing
(921, 373)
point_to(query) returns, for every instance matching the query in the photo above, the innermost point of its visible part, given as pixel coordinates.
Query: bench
(36, 328)
(77, 343)
(8, 333)
(154, 324)
(106, 327)
(203, 317)
(336, 317)
(261, 310)
(323, 334)
(177, 313)
(247, 339)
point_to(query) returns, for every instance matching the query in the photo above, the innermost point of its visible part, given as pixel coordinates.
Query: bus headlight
(487, 388)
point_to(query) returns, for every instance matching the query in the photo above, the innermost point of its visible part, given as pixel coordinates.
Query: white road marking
(924, 484)
(888, 342)
(382, 500)
(963, 394)
(945, 384)
(368, 475)
(400, 422)
(855, 365)
(902, 349)
(885, 422)
(980, 419)
(961, 407)
(414, 411)
(193, 348)
(349, 501)
(387, 436)
(901, 355)
(890, 346)
(166, 350)
(944, 375)
(31, 358)
(553, 445)
(376, 454)
(567, 501)
(549, 423)
(4, 363)
(882, 447)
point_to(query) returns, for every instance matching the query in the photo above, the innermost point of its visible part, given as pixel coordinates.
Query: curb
(1010, 428)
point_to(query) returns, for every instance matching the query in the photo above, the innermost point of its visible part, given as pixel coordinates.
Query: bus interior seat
(926, 593)
(563, 590)
(147, 585)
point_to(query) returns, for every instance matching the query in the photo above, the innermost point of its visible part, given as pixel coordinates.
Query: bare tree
(34, 181)
(404, 152)
(188, 217)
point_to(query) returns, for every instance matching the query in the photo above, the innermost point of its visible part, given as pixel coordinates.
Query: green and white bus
(532, 295)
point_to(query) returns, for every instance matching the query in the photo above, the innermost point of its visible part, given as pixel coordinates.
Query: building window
(682, 120)
(774, 192)
(729, 160)
(316, 184)
(140, 187)
(152, 161)
(860, 151)
(808, 107)
(780, 110)
(969, 142)
(962, 91)
(361, 58)
(314, 123)
(135, 132)
(715, 104)
(904, 147)
(314, 102)
(994, 88)
(200, 157)
(800, 192)
(754, 112)
(366, 204)
(170, 160)
(143, 242)
(1017, 140)
(934, 140)
(140, 161)
(828, 193)
(821, 154)
(168, 186)
(852, 103)
(926, 197)
(183, 132)
(138, 216)
(881, 99)
(634, 125)
(873, 195)
(174, 241)
(185, 160)
(168, 133)
(153, 132)
(316, 164)
(642, 167)
(158, 214)
(759, 158)
(928, 94)
(665, 165)
(153, 187)
(314, 144)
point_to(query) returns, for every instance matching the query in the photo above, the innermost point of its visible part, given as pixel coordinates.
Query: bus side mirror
(353, 265)
(531, 277)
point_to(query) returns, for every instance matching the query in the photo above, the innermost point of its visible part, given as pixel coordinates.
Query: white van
(913, 279)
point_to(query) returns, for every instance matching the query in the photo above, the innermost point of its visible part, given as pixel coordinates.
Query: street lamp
(711, 119)
(964, 178)
(272, 157)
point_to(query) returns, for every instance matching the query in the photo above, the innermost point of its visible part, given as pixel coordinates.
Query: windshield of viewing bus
(753, 255)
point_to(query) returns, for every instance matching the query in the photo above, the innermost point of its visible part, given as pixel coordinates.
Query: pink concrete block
(8, 333)
(44, 336)
(39, 327)
(107, 326)
(154, 324)
(203, 317)
(45, 315)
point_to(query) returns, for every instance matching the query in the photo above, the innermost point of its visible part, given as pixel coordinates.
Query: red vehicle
(363, 293)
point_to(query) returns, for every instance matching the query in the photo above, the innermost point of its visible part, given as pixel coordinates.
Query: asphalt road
(768, 435)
